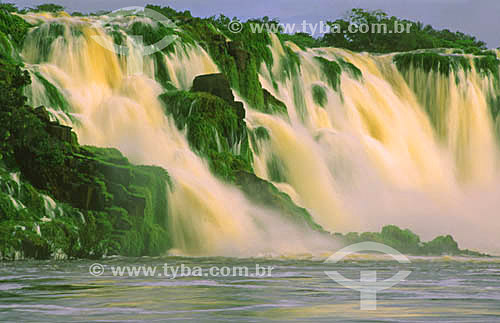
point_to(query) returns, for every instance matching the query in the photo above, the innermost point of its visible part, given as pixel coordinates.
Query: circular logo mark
(235, 26)
(96, 270)
(368, 285)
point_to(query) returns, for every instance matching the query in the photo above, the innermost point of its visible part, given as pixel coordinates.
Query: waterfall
(415, 149)
(373, 146)
(107, 107)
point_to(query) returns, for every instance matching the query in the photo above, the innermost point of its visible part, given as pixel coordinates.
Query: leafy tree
(49, 7)
(383, 37)
(9, 7)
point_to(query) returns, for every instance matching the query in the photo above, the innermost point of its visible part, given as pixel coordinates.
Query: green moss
(289, 64)
(350, 68)
(265, 193)
(54, 97)
(6, 50)
(238, 55)
(101, 199)
(276, 170)
(136, 205)
(153, 33)
(14, 27)
(487, 65)
(272, 105)
(215, 129)
(43, 38)
(319, 95)
(432, 62)
(298, 98)
(261, 133)
(162, 75)
(257, 136)
(331, 71)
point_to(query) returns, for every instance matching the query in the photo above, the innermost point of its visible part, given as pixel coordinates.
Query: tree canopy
(416, 35)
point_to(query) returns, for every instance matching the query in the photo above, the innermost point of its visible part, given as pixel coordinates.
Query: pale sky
(474, 17)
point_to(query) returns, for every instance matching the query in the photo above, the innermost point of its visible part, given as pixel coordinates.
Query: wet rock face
(63, 133)
(216, 84)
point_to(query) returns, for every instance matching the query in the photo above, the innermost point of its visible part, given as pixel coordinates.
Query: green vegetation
(319, 95)
(419, 37)
(214, 129)
(264, 193)
(488, 65)
(55, 98)
(332, 71)
(407, 242)
(238, 55)
(9, 7)
(13, 27)
(350, 69)
(49, 7)
(70, 200)
(432, 62)
(44, 37)
(303, 40)
(444, 64)
(276, 170)
(290, 64)
(104, 205)
(257, 136)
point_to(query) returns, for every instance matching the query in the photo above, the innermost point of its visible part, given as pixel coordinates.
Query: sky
(474, 17)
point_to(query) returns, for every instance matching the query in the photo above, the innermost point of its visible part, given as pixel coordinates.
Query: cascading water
(373, 155)
(109, 108)
(409, 149)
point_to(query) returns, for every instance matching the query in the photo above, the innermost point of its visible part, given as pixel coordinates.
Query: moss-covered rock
(265, 193)
(215, 129)
(216, 84)
(407, 242)
(272, 105)
(432, 62)
(67, 199)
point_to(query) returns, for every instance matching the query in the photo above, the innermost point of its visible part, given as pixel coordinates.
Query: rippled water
(439, 289)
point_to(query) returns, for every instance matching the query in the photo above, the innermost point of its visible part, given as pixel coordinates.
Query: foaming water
(107, 107)
(374, 154)
(410, 149)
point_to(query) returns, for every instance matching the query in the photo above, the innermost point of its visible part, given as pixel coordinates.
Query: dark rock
(216, 84)
(115, 173)
(240, 109)
(42, 113)
(63, 133)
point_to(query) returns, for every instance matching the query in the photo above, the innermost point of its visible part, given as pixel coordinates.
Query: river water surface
(438, 289)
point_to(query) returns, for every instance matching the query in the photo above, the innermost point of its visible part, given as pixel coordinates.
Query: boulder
(216, 84)
(63, 133)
